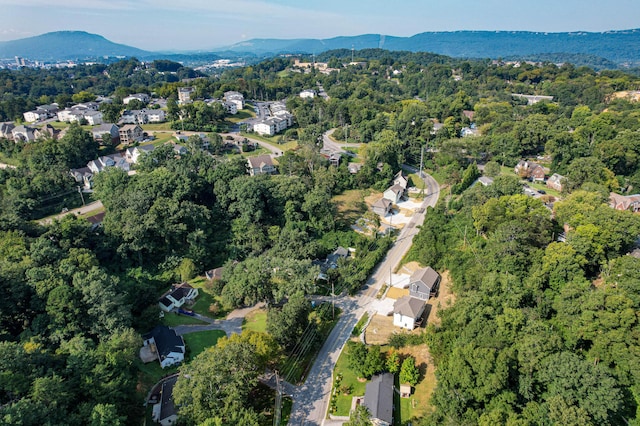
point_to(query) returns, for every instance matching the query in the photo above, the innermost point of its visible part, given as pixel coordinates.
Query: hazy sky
(202, 24)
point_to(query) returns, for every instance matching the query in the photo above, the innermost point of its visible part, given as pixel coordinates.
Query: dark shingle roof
(166, 339)
(378, 397)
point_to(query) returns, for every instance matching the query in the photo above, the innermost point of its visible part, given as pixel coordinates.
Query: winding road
(311, 399)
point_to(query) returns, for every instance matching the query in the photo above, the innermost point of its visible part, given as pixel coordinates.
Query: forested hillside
(544, 329)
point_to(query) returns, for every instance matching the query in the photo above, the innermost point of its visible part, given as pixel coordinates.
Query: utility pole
(421, 161)
(81, 196)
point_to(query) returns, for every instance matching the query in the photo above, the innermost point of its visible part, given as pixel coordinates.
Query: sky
(162, 25)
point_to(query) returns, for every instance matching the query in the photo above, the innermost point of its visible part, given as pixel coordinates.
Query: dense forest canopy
(542, 332)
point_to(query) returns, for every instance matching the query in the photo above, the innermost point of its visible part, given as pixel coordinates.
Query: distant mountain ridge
(616, 48)
(620, 47)
(66, 45)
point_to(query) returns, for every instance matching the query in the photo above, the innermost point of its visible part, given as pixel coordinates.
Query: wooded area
(542, 332)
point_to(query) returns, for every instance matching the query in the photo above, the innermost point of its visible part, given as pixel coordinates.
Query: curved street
(311, 399)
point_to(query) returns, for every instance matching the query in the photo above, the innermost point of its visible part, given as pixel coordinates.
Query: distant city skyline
(199, 25)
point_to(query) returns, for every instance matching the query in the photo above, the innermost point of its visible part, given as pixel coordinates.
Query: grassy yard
(256, 321)
(351, 206)
(349, 379)
(242, 115)
(151, 373)
(199, 341)
(171, 319)
(272, 141)
(206, 298)
(158, 126)
(419, 404)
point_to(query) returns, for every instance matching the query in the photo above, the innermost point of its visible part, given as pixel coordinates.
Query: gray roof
(408, 306)
(382, 203)
(426, 276)
(104, 128)
(167, 409)
(378, 397)
(260, 161)
(166, 339)
(396, 189)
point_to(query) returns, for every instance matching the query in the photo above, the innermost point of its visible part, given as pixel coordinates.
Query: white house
(265, 127)
(260, 165)
(308, 94)
(184, 94)
(93, 118)
(164, 411)
(394, 193)
(166, 344)
(178, 295)
(132, 155)
(23, 134)
(378, 398)
(35, 115)
(155, 115)
(105, 128)
(407, 312)
(142, 97)
(235, 97)
(106, 161)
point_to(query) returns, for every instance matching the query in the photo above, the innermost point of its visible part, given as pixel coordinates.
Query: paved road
(96, 205)
(311, 399)
(330, 144)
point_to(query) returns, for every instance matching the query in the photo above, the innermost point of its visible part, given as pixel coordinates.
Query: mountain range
(617, 48)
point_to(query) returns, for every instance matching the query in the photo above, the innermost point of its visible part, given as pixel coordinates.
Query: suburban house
(394, 193)
(407, 312)
(354, 168)
(260, 165)
(83, 176)
(142, 97)
(466, 132)
(214, 274)
(165, 344)
(339, 253)
(624, 202)
(106, 161)
(130, 133)
(93, 118)
(164, 411)
(132, 155)
(23, 133)
(423, 283)
(41, 112)
(236, 98)
(111, 129)
(6, 129)
(80, 112)
(378, 398)
(382, 207)
(308, 94)
(47, 131)
(532, 99)
(401, 179)
(142, 116)
(530, 170)
(485, 180)
(184, 94)
(556, 182)
(178, 295)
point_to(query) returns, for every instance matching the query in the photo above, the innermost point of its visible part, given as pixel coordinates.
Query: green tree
(361, 416)
(409, 372)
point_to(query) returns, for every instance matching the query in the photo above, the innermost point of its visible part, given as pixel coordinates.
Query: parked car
(542, 191)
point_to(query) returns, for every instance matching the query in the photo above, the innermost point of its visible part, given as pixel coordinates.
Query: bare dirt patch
(397, 293)
(409, 268)
(379, 330)
(444, 299)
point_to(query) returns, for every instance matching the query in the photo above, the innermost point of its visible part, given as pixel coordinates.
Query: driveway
(311, 399)
(96, 205)
(228, 326)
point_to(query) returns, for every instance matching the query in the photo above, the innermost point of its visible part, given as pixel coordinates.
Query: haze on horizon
(198, 24)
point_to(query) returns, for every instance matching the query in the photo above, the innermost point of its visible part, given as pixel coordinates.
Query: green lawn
(349, 379)
(199, 341)
(206, 298)
(272, 141)
(242, 115)
(158, 126)
(171, 319)
(151, 373)
(256, 321)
